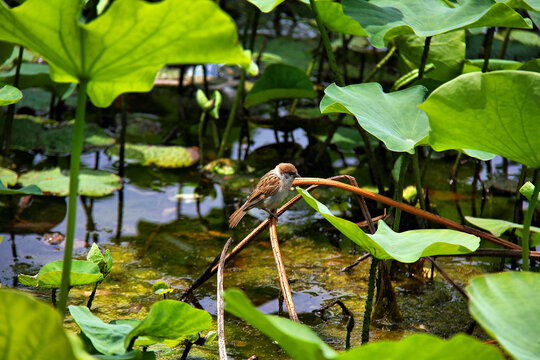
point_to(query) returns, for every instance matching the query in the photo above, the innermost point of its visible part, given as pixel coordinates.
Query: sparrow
(271, 190)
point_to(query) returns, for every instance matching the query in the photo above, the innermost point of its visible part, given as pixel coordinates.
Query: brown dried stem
(221, 304)
(283, 281)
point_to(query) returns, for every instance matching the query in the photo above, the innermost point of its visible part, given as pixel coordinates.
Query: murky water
(170, 233)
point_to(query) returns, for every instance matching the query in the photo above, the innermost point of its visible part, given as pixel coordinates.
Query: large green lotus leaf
(506, 306)
(285, 50)
(497, 227)
(269, 5)
(298, 340)
(38, 134)
(37, 75)
(495, 112)
(31, 329)
(160, 155)
(406, 247)
(446, 52)
(94, 183)
(122, 50)
(27, 190)
(108, 339)
(280, 81)
(50, 276)
(8, 177)
(171, 319)
(424, 347)
(393, 118)
(472, 65)
(336, 21)
(6, 49)
(383, 20)
(9, 95)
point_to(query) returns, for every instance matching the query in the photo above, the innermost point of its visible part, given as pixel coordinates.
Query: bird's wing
(267, 186)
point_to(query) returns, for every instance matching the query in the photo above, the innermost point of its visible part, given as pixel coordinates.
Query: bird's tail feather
(235, 218)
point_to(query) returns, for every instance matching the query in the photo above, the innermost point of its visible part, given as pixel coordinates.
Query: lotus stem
(504, 45)
(327, 44)
(6, 138)
(398, 194)
(381, 63)
(525, 240)
(369, 300)
(423, 59)
(487, 48)
(418, 177)
(202, 126)
(75, 162)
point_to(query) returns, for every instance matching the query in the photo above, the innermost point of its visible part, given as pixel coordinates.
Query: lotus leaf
(383, 20)
(27, 190)
(31, 329)
(495, 112)
(161, 287)
(269, 5)
(527, 191)
(446, 52)
(34, 133)
(280, 81)
(95, 183)
(522, 4)
(171, 319)
(506, 306)
(406, 247)
(106, 338)
(50, 275)
(9, 95)
(104, 262)
(163, 156)
(497, 227)
(284, 50)
(123, 49)
(8, 177)
(336, 21)
(300, 342)
(37, 75)
(393, 118)
(6, 49)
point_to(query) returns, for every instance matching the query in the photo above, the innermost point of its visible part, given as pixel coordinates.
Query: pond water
(170, 232)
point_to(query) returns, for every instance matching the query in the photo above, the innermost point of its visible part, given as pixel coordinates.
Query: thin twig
(346, 312)
(356, 262)
(448, 278)
(283, 281)
(220, 303)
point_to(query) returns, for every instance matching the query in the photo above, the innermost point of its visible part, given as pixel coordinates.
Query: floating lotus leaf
(160, 287)
(37, 75)
(94, 183)
(406, 247)
(497, 227)
(9, 95)
(506, 306)
(27, 190)
(50, 275)
(34, 133)
(123, 49)
(446, 52)
(383, 20)
(393, 118)
(8, 177)
(280, 81)
(300, 342)
(159, 155)
(495, 112)
(336, 21)
(31, 329)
